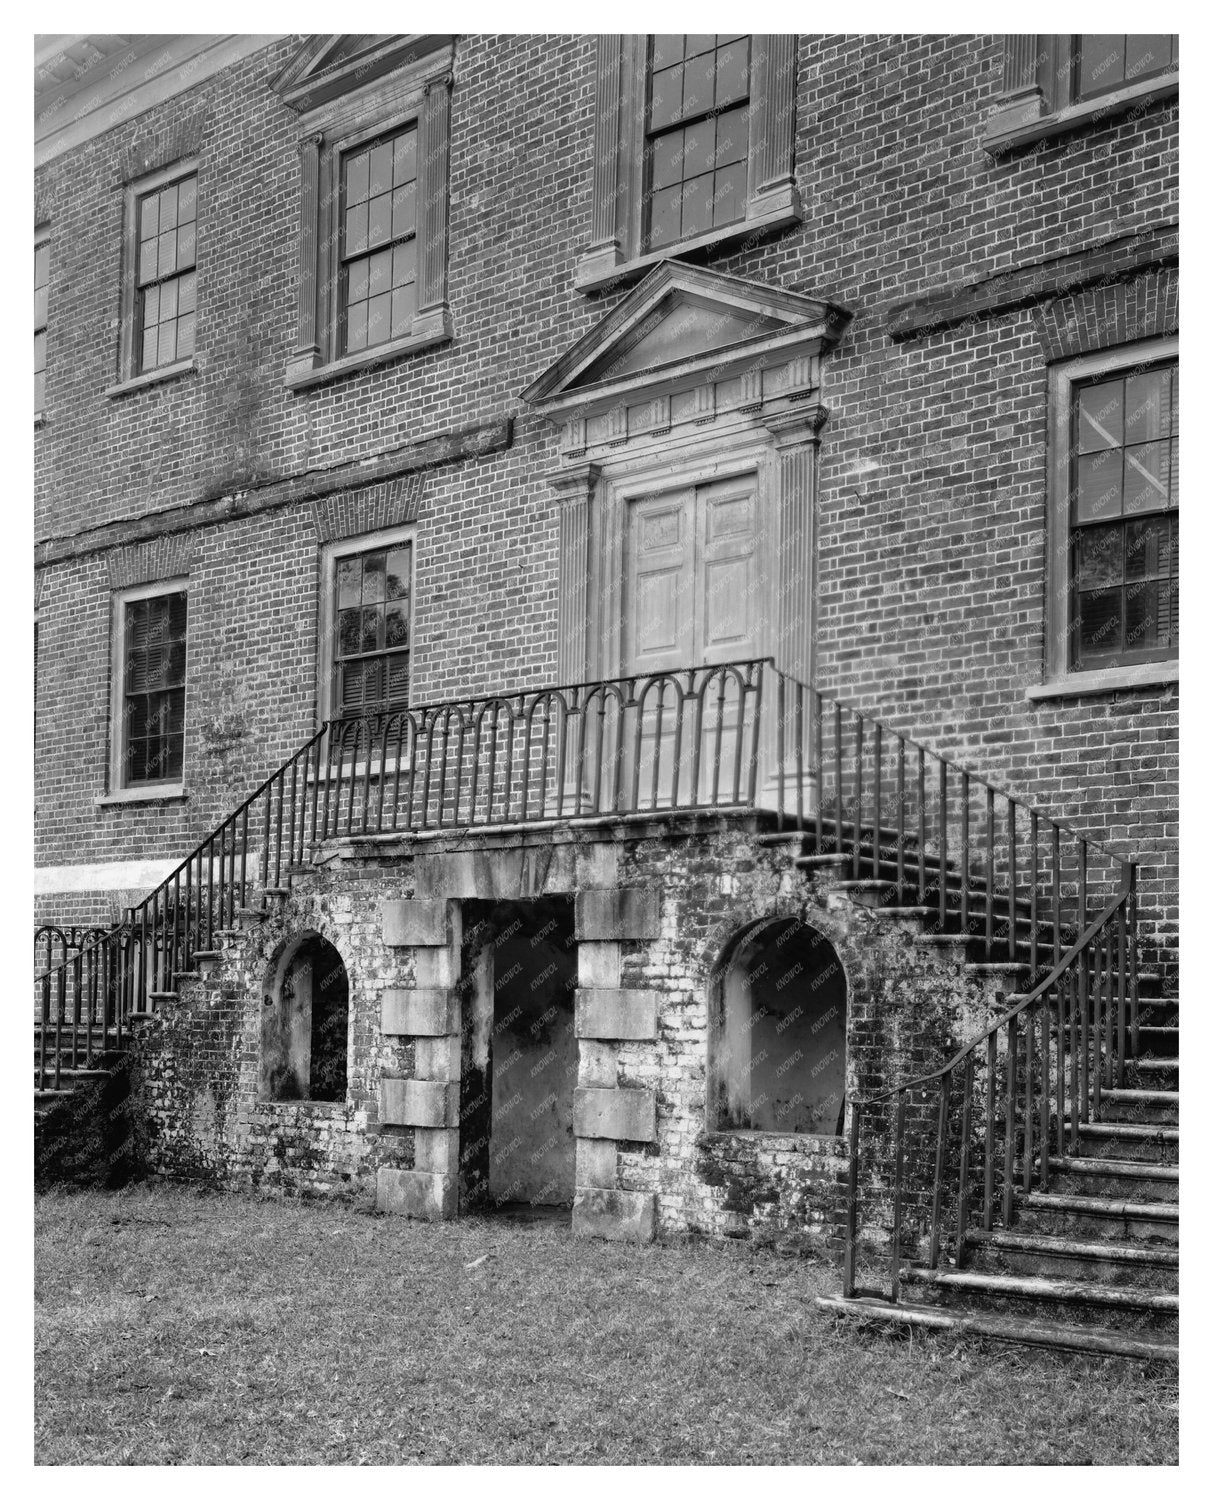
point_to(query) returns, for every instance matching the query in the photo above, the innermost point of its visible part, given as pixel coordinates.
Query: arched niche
(778, 1059)
(305, 1020)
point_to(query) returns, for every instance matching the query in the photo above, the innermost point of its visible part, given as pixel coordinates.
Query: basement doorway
(519, 1057)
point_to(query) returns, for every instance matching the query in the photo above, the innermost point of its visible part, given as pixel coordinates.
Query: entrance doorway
(692, 592)
(519, 1054)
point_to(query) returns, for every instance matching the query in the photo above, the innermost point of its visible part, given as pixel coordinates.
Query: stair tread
(1141, 1096)
(1129, 1131)
(1113, 1166)
(1014, 1329)
(1046, 1287)
(1048, 1244)
(1118, 1208)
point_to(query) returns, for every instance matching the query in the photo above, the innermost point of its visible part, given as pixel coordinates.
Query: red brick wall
(931, 565)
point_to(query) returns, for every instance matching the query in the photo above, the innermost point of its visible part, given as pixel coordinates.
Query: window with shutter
(366, 624)
(154, 689)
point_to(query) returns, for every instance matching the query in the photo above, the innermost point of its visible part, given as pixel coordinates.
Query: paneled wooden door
(692, 598)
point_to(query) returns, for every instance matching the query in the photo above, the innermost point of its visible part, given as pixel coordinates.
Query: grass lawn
(174, 1326)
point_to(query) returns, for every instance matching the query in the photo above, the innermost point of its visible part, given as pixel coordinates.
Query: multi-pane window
(379, 241)
(1124, 518)
(42, 271)
(1103, 63)
(166, 281)
(371, 649)
(153, 689)
(697, 135)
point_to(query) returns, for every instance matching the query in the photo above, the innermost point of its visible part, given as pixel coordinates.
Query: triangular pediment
(326, 67)
(678, 321)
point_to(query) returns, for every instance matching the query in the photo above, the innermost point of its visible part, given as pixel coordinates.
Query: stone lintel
(615, 1114)
(420, 1195)
(429, 1103)
(416, 924)
(419, 1012)
(624, 913)
(612, 1214)
(620, 1015)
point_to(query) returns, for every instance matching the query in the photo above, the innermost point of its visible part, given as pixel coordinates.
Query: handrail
(938, 755)
(1050, 979)
(679, 739)
(1063, 1042)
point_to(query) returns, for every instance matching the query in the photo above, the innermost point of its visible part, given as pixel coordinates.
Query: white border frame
(1061, 679)
(143, 791)
(330, 553)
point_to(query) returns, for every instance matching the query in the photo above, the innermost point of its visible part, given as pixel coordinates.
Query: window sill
(312, 1106)
(304, 376)
(39, 420)
(162, 792)
(592, 273)
(1089, 112)
(780, 1140)
(1111, 680)
(153, 377)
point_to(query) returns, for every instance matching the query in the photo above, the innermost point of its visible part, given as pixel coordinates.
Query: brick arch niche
(779, 1017)
(305, 1022)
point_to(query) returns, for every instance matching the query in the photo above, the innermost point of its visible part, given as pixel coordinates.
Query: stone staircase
(1090, 1263)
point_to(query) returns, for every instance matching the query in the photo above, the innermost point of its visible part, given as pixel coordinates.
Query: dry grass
(174, 1326)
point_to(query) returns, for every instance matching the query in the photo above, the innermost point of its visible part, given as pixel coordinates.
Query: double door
(692, 590)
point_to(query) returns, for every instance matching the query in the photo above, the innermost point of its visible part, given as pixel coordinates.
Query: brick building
(386, 381)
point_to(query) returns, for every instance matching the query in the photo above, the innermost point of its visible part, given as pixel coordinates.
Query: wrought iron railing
(1018, 882)
(995, 1120)
(702, 738)
(681, 740)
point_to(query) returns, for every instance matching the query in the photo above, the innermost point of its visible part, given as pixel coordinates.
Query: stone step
(1153, 1072)
(1130, 1142)
(1080, 1301)
(1116, 1261)
(1140, 1105)
(1110, 1176)
(1073, 1337)
(1157, 1041)
(1110, 1218)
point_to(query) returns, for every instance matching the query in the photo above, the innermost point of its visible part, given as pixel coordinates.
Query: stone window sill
(1111, 680)
(1089, 112)
(312, 1106)
(779, 1140)
(153, 377)
(162, 792)
(590, 276)
(305, 377)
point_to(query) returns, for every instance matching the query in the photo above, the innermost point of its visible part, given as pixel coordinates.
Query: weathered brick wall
(932, 487)
(198, 1101)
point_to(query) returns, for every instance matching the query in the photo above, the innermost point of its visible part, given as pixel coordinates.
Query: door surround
(699, 413)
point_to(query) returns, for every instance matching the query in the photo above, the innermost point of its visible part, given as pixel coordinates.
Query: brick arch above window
(149, 562)
(1106, 317)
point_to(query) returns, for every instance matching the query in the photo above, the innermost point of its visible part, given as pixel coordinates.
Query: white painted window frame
(144, 791)
(1060, 679)
(130, 377)
(330, 554)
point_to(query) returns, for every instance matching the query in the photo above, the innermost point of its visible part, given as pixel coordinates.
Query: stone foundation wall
(658, 908)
